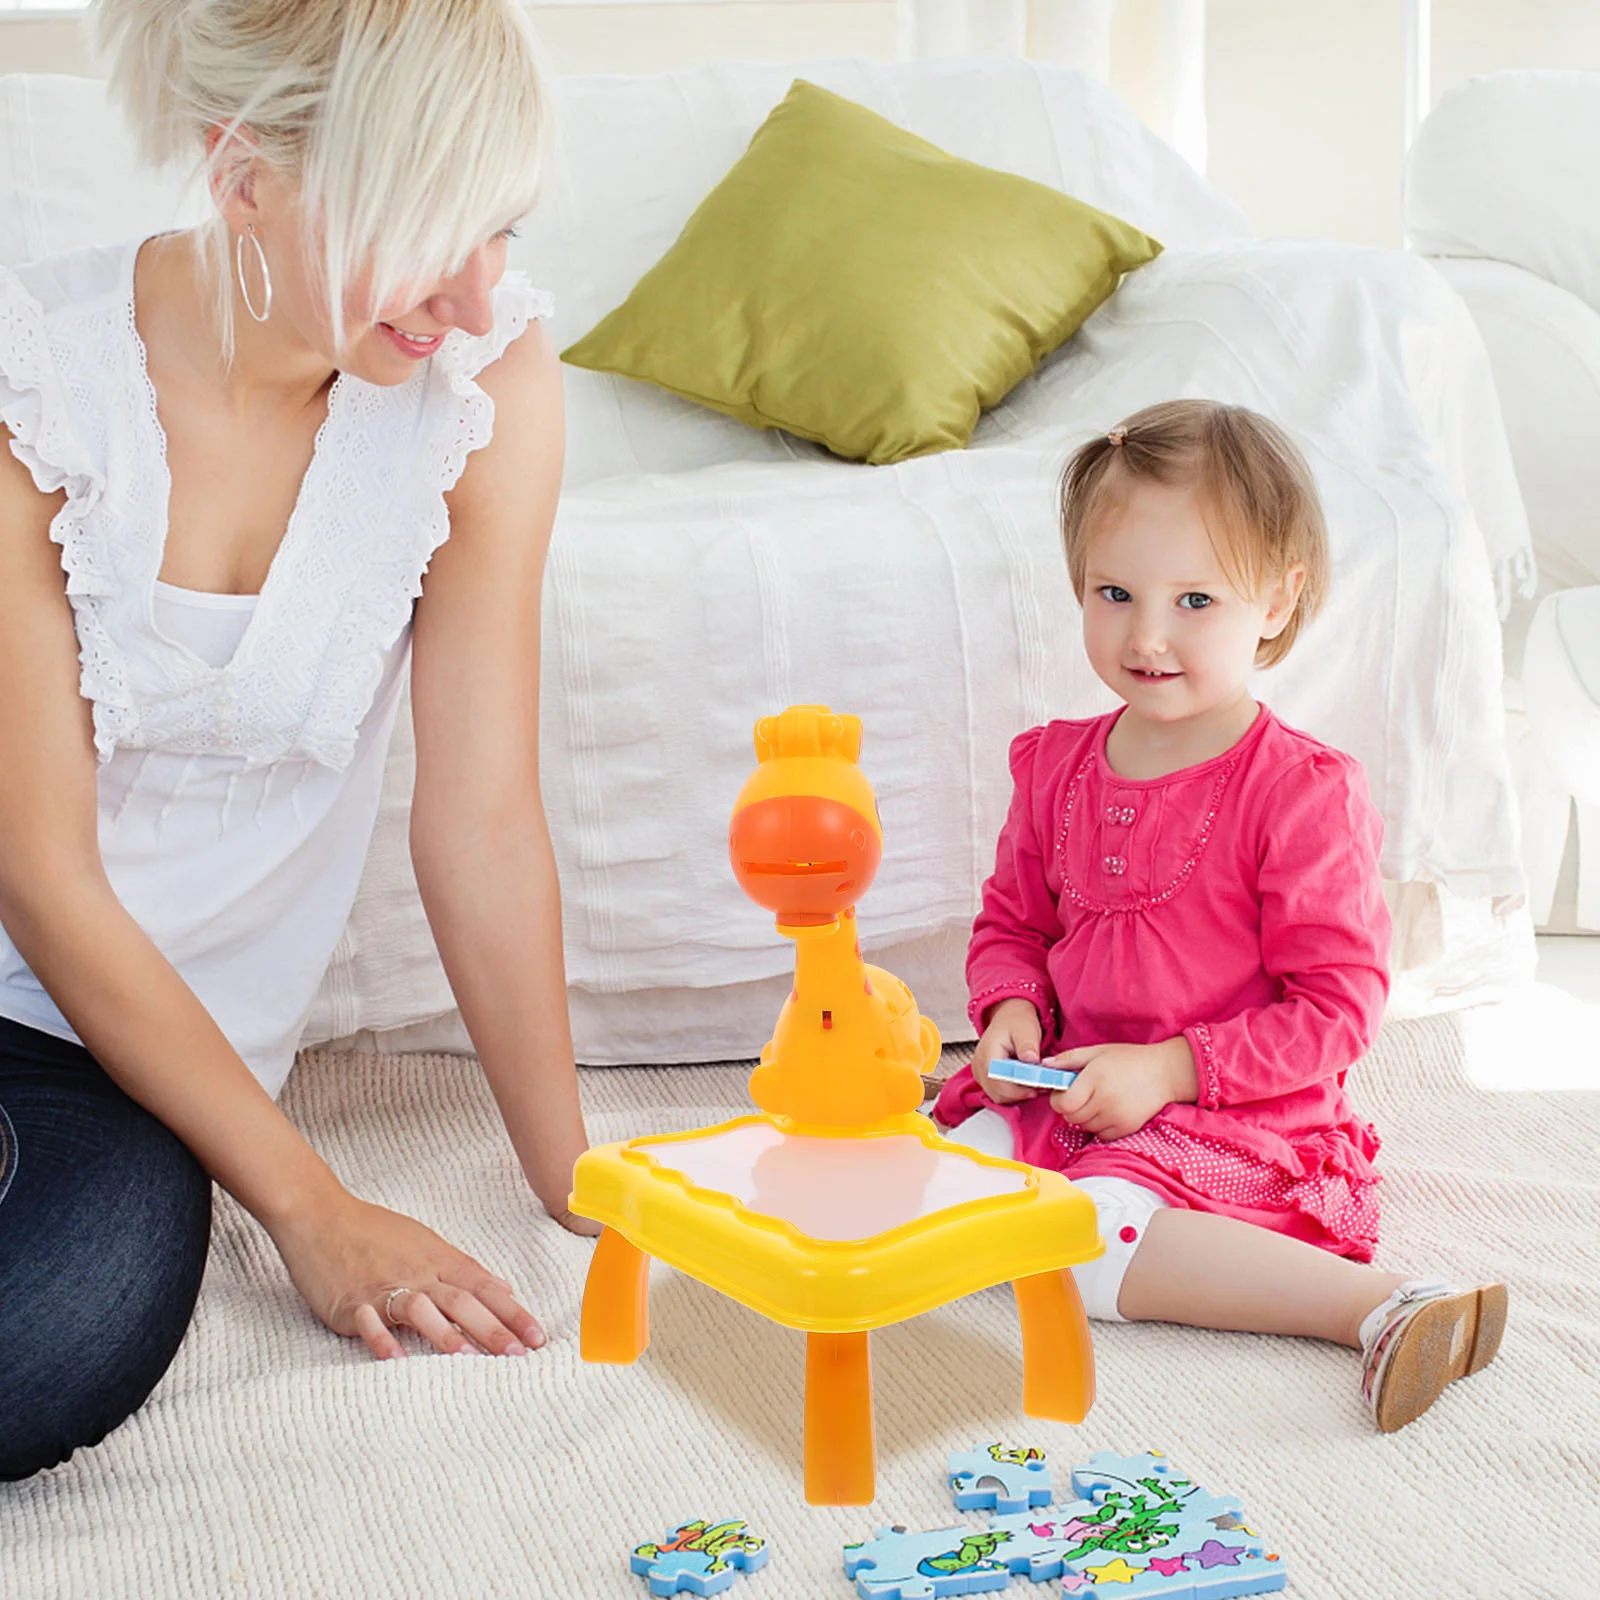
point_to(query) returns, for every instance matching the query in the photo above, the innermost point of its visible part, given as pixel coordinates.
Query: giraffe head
(805, 840)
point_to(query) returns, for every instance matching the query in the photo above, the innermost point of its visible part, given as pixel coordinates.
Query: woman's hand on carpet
(347, 1258)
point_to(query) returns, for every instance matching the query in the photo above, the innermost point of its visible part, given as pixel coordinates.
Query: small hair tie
(1117, 435)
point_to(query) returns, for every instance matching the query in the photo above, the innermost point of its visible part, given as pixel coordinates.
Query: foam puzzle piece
(702, 1556)
(896, 1565)
(990, 1476)
(1146, 1531)
(1030, 1074)
(1035, 1544)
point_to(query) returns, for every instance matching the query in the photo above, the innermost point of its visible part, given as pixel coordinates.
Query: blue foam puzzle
(1029, 1074)
(703, 1557)
(1146, 1531)
(989, 1476)
(1138, 1529)
(896, 1565)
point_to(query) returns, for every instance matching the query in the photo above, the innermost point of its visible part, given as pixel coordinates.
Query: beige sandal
(1424, 1336)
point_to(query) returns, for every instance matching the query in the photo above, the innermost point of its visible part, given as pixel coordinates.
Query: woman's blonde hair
(410, 130)
(1256, 491)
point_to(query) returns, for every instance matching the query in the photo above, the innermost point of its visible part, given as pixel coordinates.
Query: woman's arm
(123, 998)
(479, 840)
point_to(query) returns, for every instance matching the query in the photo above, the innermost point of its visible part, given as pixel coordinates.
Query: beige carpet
(276, 1459)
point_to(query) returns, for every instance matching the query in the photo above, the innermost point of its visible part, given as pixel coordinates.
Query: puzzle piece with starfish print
(1145, 1531)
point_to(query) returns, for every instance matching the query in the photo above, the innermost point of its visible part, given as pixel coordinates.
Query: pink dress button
(1116, 865)
(1121, 816)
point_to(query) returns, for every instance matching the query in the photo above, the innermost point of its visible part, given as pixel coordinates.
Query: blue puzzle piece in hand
(1151, 1532)
(896, 1565)
(703, 1557)
(1029, 1074)
(991, 1476)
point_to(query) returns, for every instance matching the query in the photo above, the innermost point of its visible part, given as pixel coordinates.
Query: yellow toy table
(838, 1209)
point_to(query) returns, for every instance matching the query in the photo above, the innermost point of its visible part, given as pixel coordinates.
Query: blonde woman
(252, 469)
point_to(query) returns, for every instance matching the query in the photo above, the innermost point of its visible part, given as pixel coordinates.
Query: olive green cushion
(856, 285)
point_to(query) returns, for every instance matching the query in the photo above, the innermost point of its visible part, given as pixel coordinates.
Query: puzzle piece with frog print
(703, 1557)
(897, 1565)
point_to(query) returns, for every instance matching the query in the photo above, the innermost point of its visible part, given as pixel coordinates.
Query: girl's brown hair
(1257, 494)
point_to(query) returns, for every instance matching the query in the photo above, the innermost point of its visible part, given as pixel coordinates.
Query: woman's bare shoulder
(526, 449)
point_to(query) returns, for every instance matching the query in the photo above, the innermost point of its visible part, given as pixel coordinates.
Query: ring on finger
(388, 1302)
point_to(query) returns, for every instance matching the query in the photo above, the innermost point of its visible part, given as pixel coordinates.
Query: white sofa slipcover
(703, 573)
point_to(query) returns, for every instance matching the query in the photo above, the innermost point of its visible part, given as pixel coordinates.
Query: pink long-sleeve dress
(1237, 903)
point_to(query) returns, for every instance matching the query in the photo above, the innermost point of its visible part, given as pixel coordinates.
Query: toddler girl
(1185, 909)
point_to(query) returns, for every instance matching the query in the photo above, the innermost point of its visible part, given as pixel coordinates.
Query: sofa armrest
(1544, 346)
(1503, 169)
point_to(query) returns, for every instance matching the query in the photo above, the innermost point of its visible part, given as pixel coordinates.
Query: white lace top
(240, 738)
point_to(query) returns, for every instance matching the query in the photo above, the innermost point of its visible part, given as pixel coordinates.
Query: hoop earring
(266, 277)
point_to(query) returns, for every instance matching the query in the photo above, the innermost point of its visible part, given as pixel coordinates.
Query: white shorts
(1124, 1210)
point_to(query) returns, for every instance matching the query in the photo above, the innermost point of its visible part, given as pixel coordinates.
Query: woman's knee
(104, 1230)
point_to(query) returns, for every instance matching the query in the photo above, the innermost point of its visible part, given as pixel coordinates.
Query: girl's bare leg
(1217, 1272)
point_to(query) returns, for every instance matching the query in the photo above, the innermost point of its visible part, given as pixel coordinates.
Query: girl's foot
(1425, 1335)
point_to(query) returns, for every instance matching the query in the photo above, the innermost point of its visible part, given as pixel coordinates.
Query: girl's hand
(1013, 1030)
(1121, 1086)
(346, 1258)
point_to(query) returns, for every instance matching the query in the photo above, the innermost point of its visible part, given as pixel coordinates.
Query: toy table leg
(840, 1457)
(616, 1313)
(1057, 1357)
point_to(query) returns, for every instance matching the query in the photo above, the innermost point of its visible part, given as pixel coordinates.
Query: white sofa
(704, 573)
(1500, 196)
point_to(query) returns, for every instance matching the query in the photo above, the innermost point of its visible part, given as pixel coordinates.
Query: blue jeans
(105, 1218)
